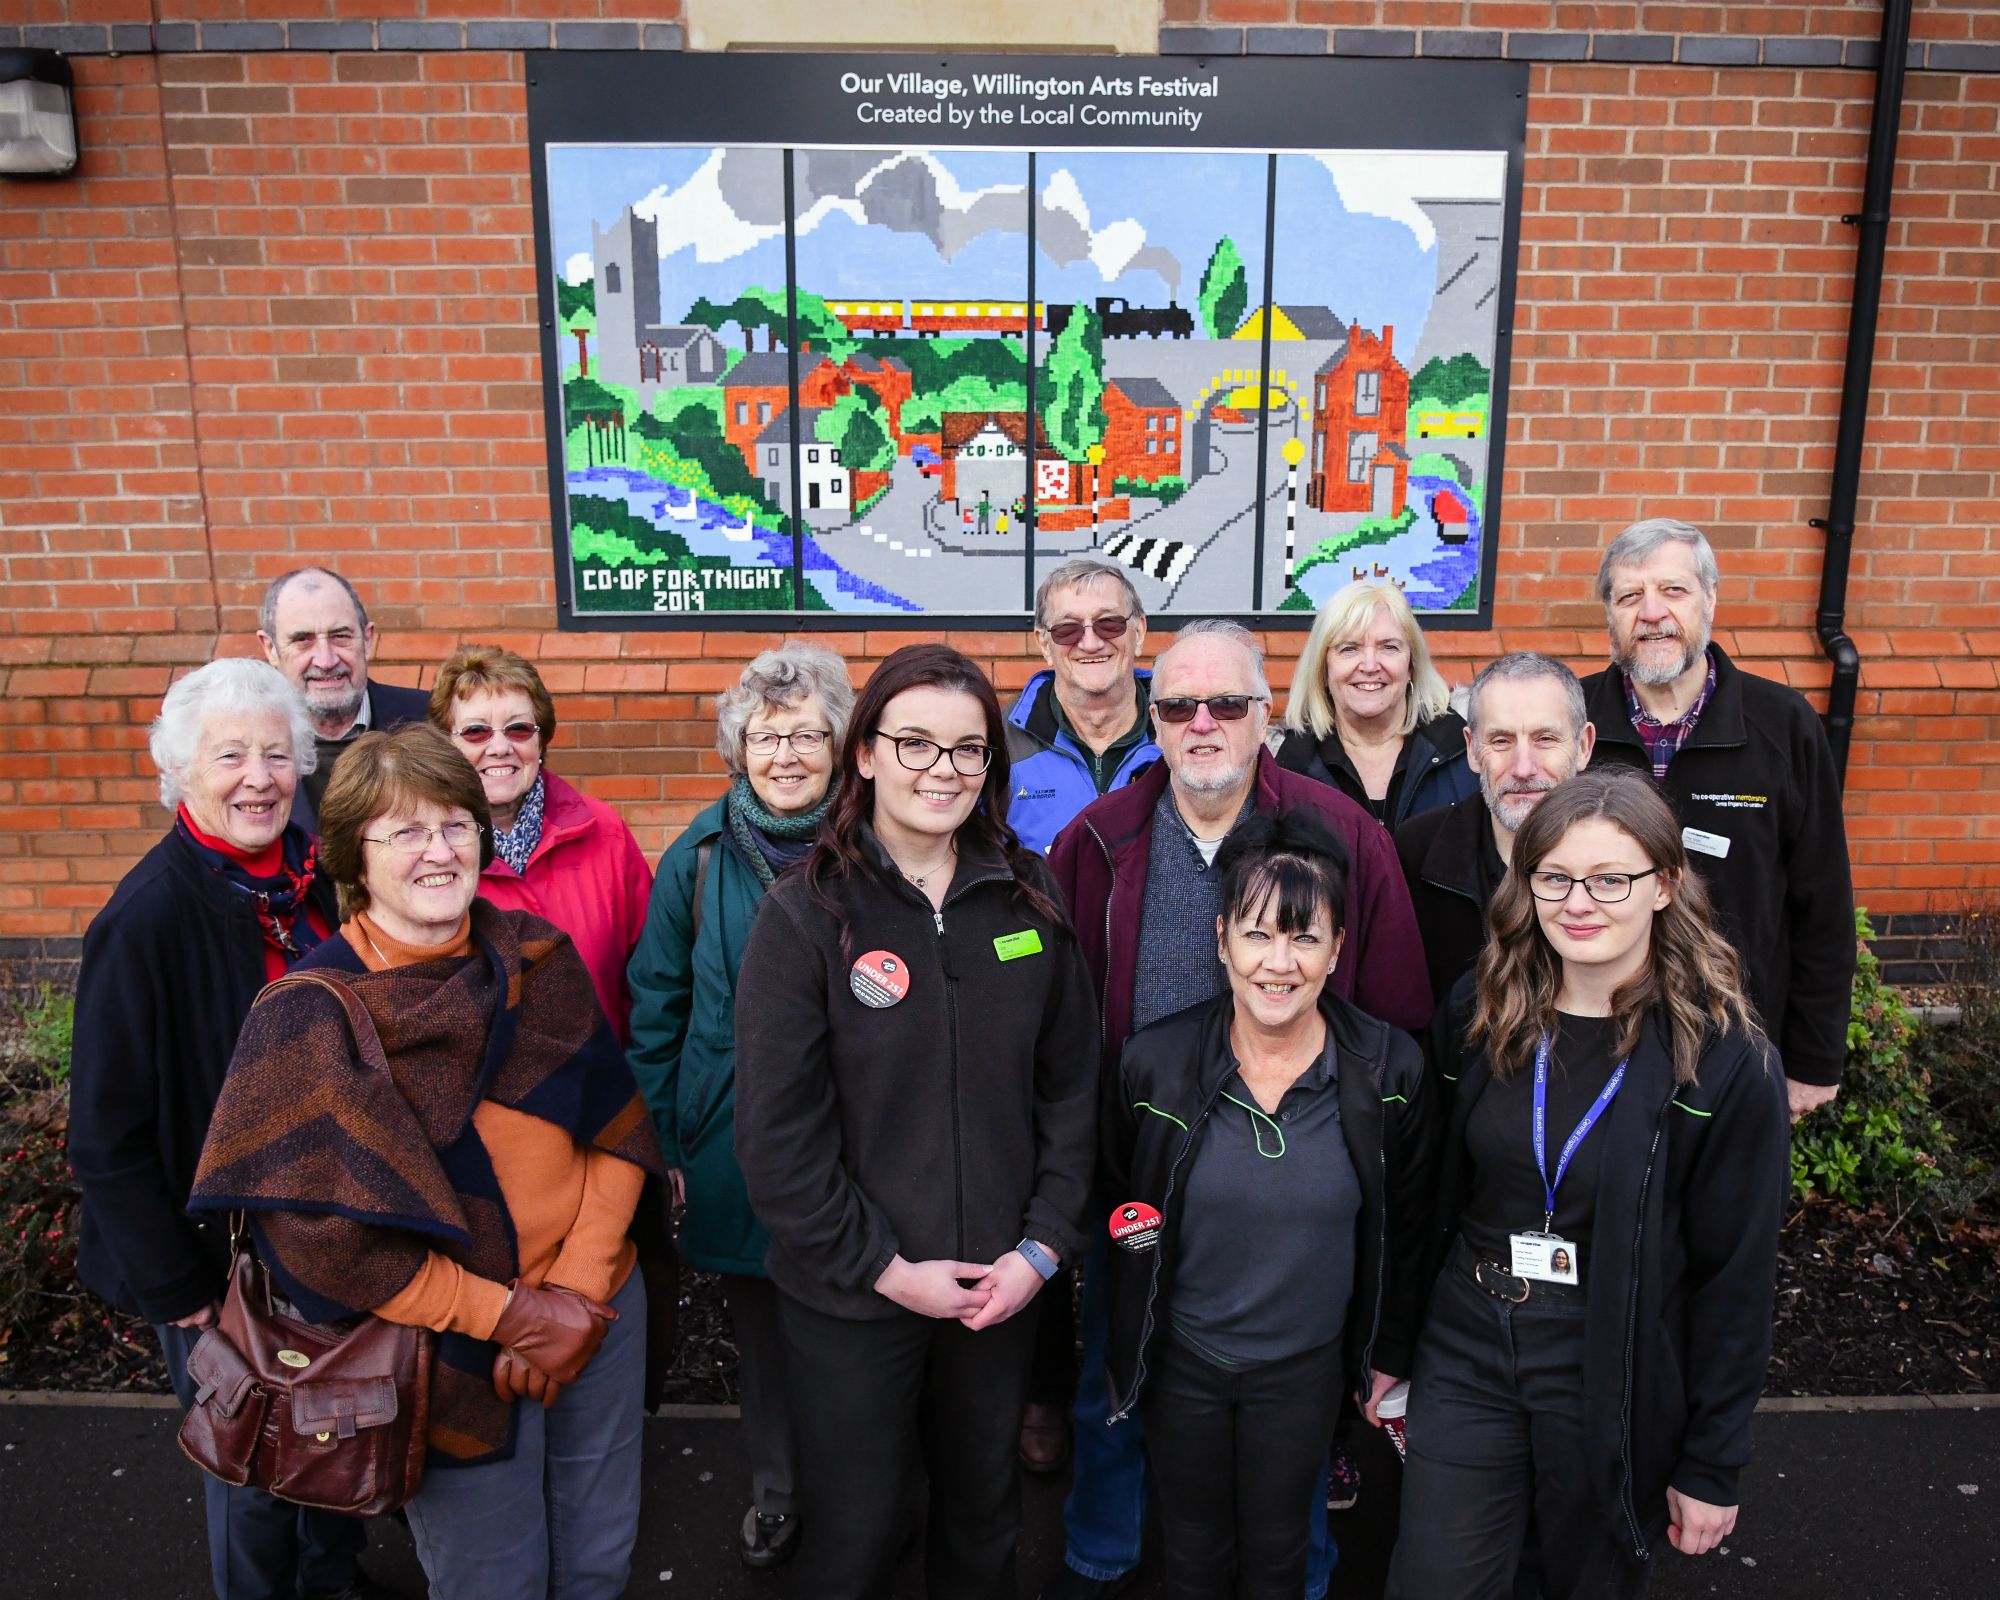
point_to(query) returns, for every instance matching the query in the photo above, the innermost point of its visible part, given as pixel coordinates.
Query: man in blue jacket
(1079, 729)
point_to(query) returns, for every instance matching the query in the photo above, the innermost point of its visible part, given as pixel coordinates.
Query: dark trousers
(874, 1403)
(1496, 1438)
(764, 1394)
(1052, 1376)
(1239, 1456)
(260, 1547)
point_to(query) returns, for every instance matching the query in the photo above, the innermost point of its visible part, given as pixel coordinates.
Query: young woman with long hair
(916, 1074)
(1614, 1177)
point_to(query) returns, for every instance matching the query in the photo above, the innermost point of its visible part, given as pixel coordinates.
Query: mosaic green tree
(1225, 290)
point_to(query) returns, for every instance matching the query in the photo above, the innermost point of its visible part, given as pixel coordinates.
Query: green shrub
(1881, 1141)
(1962, 1060)
(46, 1028)
(39, 1206)
(38, 1195)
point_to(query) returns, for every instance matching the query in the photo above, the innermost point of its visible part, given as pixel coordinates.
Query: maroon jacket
(1099, 862)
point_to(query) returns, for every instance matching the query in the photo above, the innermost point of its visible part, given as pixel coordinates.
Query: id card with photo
(1543, 1257)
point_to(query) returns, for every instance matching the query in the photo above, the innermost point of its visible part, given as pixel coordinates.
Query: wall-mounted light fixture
(37, 116)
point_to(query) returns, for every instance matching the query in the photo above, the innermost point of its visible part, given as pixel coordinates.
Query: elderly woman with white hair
(1369, 714)
(778, 730)
(227, 901)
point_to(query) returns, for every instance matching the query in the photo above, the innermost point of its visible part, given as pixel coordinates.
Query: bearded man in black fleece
(1747, 768)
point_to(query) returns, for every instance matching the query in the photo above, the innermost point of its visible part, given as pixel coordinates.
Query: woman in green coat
(778, 730)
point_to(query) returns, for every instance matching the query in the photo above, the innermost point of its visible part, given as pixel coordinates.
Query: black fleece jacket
(170, 967)
(1158, 1103)
(1444, 852)
(1690, 1199)
(1758, 771)
(1435, 771)
(946, 1126)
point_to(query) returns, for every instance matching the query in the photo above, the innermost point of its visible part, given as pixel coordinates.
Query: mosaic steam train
(932, 318)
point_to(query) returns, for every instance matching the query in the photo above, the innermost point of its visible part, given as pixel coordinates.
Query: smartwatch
(1038, 1258)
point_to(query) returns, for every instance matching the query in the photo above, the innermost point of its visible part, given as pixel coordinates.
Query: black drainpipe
(1839, 519)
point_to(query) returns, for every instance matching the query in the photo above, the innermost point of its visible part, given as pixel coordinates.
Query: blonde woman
(1368, 712)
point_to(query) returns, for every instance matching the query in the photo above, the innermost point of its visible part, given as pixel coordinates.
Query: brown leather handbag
(332, 1415)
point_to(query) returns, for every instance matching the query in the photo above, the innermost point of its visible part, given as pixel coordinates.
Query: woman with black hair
(1272, 1151)
(1612, 1184)
(916, 1073)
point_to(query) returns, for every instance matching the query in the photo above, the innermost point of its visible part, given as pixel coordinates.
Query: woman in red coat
(556, 851)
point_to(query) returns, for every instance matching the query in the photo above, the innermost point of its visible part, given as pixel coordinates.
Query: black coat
(169, 969)
(1758, 771)
(1435, 774)
(1157, 1105)
(389, 706)
(947, 1126)
(1443, 852)
(1691, 1193)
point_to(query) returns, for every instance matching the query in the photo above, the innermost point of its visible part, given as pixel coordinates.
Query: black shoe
(362, 1588)
(1045, 1438)
(1069, 1584)
(767, 1541)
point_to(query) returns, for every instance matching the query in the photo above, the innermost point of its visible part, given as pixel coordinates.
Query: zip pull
(938, 918)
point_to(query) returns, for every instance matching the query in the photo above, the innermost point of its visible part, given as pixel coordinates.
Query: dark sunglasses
(480, 732)
(1106, 628)
(1222, 707)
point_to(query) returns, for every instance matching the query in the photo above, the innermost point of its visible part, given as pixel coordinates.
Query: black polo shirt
(1266, 1257)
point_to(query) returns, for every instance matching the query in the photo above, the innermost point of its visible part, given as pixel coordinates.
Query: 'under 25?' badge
(1135, 1226)
(880, 979)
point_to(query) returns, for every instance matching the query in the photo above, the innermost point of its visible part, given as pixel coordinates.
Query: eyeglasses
(513, 732)
(804, 741)
(1607, 888)
(1106, 628)
(920, 755)
(415, 840)
(1222, 707)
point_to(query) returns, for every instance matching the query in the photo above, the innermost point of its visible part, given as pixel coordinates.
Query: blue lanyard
(1604, 1098)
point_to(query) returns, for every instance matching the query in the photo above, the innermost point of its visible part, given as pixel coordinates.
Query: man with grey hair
(1747, 767)
(1079, 729)
(315, 631)
(1136, 869)
(1527, 733)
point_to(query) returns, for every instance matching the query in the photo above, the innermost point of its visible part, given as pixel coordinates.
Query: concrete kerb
(163, 1402)
(691, 1413)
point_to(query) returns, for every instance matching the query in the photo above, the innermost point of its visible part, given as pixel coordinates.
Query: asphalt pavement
(97, 1503)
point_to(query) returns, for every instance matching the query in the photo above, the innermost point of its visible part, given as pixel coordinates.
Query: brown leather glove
(515, 1379)
(555, 1330)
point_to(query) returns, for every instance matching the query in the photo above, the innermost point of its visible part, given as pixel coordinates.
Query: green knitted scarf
(748, 816)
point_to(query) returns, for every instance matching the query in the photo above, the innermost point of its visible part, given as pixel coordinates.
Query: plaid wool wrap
(350, 1178)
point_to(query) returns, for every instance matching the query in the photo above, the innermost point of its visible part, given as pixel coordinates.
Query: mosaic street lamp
(1294, 451)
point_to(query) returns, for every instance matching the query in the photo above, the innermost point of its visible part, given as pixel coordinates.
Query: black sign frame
(787, 99)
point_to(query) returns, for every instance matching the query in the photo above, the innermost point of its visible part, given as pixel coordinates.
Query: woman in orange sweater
(482, 1189)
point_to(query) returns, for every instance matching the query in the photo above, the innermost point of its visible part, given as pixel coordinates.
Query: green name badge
(1012, 946)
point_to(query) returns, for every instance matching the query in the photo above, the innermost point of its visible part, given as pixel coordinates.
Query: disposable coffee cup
(1391, 1409)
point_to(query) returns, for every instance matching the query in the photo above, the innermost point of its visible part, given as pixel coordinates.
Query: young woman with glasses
(916, 1070)
(1614, 1175)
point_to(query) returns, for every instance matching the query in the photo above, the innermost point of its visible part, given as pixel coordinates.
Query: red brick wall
(286, 313)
